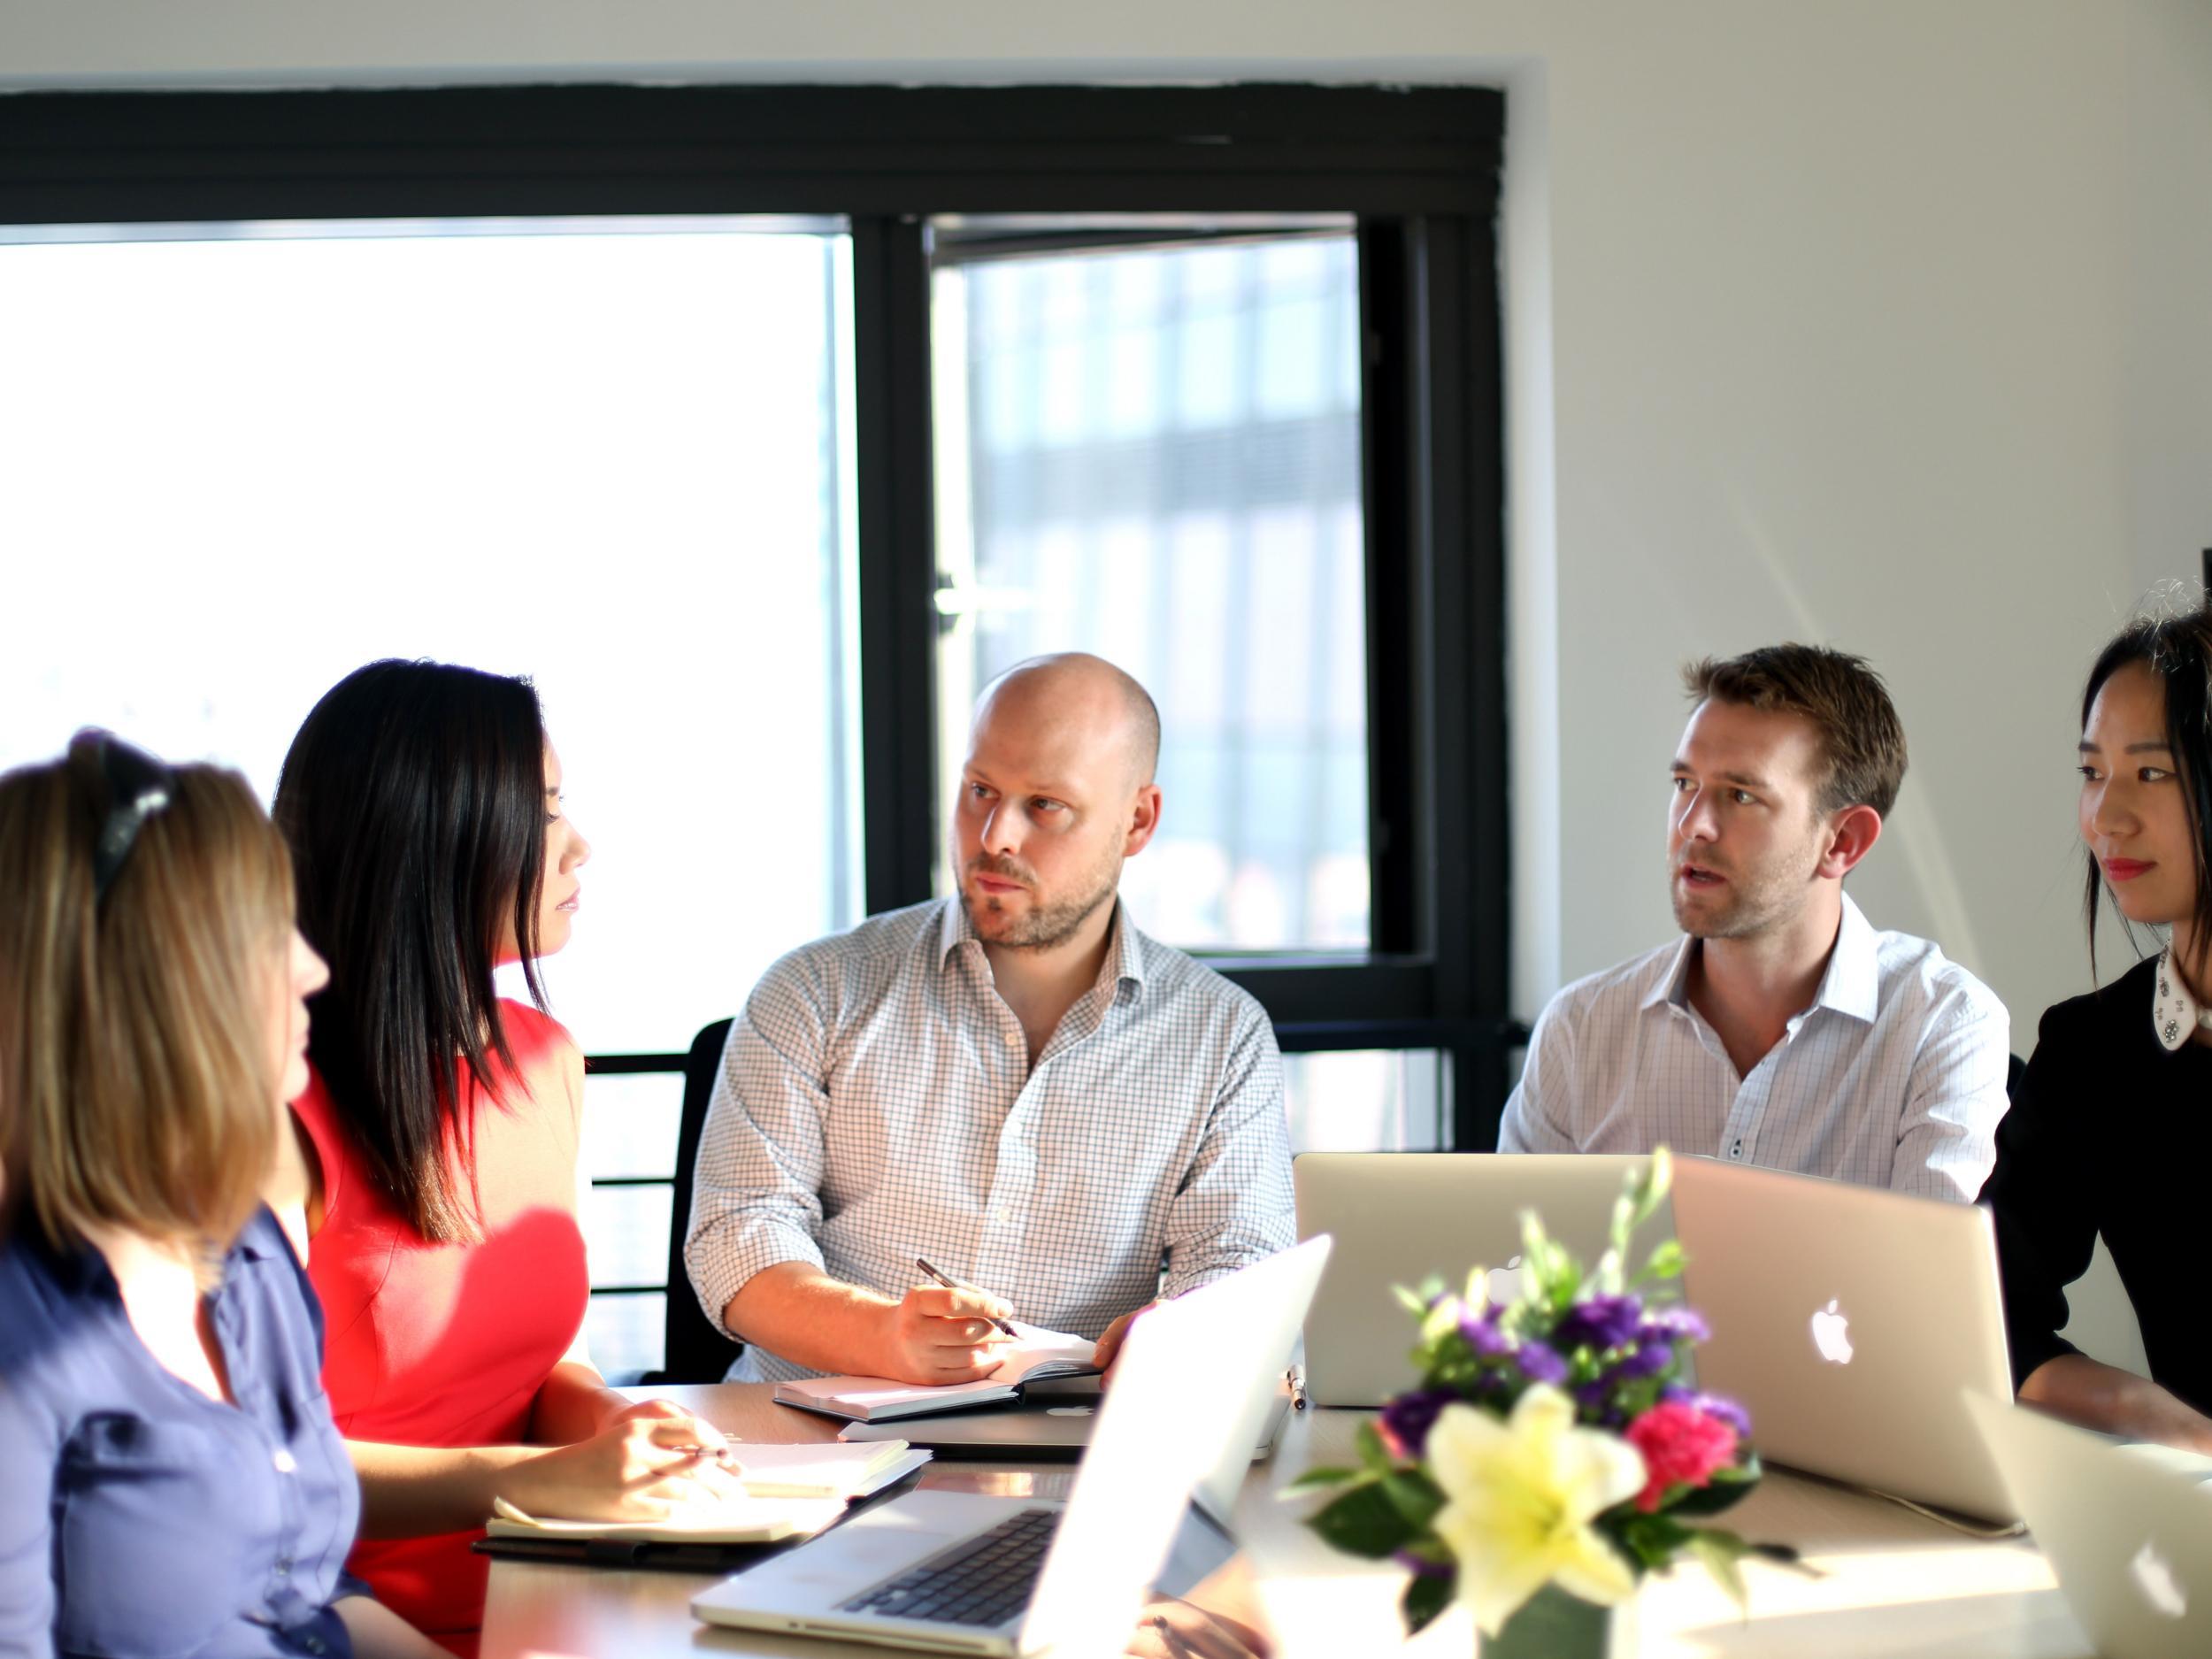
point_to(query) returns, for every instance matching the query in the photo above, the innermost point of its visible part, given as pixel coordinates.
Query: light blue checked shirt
(877, 1103)
(1893, 1077)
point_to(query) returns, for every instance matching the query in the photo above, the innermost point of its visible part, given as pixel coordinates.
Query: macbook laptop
(962, 1573)
(1400, 1217)
(2130, 1536)
(1848, 1320)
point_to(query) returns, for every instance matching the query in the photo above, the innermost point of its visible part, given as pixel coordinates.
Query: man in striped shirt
(1782, 1029)
(1014, 1084)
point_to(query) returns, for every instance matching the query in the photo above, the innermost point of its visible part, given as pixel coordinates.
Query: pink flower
(1681, 1444)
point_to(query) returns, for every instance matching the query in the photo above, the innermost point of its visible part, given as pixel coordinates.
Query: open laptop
(1848, 1320)
(2130, 1536)
(960, 1572)
(1399, 1217)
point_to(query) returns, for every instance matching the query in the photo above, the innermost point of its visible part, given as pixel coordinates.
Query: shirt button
(315, 1644)
(283, 1565)
(1736, 1150)
(284, 1460)
(1006, 1217)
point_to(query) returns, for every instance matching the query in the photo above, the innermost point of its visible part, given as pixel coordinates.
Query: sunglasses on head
(138, 786)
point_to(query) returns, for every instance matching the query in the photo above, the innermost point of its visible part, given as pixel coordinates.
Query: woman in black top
(2111, 1129)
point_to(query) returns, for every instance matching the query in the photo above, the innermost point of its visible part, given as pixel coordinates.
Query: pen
(951, 1283)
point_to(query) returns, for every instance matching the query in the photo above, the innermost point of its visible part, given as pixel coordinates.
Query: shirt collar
(1124, 948)
(2175, 1014)
(1850, 985)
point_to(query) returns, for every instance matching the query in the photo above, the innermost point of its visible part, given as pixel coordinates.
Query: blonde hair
(135, 1084)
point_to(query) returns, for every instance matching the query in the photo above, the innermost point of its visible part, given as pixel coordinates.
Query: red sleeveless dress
(448, 1344)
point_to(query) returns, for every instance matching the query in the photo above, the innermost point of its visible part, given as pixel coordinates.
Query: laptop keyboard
(984, 1580)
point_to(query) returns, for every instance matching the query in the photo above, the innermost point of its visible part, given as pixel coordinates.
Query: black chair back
(696, 1351)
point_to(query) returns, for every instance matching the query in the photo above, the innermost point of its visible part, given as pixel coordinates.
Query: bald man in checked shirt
(1782, 1029)
(1014, 1083)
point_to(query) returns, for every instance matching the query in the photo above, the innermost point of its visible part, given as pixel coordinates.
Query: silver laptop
(959, 1572)
(1399, 1217)
(1848, 1320)
(2128, 1535)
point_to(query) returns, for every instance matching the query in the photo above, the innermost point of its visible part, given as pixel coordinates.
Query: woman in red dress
(423, 807)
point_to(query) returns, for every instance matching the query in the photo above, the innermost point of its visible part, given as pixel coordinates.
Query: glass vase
(1552, 1624)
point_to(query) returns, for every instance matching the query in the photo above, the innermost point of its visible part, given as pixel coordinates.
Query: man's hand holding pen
(946, 1332)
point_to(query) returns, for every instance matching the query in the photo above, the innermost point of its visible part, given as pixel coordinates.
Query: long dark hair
(2178, 652)
(414, 802)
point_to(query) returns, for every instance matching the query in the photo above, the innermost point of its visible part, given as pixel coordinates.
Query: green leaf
(1650, 1540)
(1416, 1497)
(1364, 1522)
(1425, 1597)
(1324, 1477)
(1373, 1454)
(1721, 1553)
(1666, 1260)
(1730, 1486)
(1415, 1303)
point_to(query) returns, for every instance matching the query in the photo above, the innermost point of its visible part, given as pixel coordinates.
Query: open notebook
(790, 1492)
(1035, 1355)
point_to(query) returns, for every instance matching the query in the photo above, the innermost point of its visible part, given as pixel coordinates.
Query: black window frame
(1419, 169)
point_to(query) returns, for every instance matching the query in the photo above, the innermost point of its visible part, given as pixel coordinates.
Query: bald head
(1084, 704)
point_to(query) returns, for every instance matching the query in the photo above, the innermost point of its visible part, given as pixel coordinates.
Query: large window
(761, 426)
(1151, 450)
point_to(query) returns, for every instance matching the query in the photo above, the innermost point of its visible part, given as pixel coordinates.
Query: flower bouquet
(1552, 1453)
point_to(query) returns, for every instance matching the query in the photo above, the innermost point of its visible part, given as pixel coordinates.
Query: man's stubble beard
(1766, 899)
(1046, 924)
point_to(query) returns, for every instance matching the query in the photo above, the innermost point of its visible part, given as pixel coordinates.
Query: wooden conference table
(1894, 1585)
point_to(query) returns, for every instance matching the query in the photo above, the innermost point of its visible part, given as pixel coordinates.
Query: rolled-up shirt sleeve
(1235, 1208)
(755, 1198)
(1947, 1137)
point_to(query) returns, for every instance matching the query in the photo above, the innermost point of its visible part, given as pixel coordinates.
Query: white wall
(1874, 322)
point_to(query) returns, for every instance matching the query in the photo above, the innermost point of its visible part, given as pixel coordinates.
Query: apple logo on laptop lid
(2155, 1578)
(1831, 1334)
(1502, 1285)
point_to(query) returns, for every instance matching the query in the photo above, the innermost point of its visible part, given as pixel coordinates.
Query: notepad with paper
(1035, 1355)
(789, 1492)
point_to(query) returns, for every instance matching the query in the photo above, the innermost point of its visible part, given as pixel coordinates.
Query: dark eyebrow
(1741, 780)
(2159, 747)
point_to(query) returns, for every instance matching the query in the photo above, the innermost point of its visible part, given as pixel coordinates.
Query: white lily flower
(1522, 1492)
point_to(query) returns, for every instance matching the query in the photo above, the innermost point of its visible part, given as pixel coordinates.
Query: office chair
(696, 1351)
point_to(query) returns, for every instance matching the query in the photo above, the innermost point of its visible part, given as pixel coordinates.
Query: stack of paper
(789, 1492)
(1033, 1355)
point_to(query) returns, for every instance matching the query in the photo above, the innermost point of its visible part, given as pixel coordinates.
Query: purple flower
(1539, 1362)
(1675, 1325)
(1422, 1567)
(1648, 1360)
(1718, 1407)
(1481, 1333)
(1408, 1419)
(1601, 1322)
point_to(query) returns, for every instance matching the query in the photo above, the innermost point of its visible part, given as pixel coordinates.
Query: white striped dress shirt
(877, 1102)
(1893, 1077)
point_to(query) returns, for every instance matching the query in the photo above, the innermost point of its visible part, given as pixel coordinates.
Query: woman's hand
(654, 1463)
(1174, 1629)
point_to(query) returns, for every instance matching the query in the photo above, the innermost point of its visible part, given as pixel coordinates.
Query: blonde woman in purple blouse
(172, 1484)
